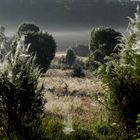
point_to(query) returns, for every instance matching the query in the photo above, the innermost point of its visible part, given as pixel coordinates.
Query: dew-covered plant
(123, 77)
(21, 100)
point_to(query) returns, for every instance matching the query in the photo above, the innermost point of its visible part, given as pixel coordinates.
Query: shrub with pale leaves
(21, 102)
(123, 77)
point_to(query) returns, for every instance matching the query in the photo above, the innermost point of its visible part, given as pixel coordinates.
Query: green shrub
(77, 70)
(102, 43)
(21, 101)
(41, 44)
(104, 39)
(27, 27)
(95, 60)
(70, 57)
(122, 78)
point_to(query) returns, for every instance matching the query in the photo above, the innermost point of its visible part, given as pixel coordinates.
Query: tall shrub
(102, 43)
(70, 57)
(123, 77)
(21, 100)
(41, 44)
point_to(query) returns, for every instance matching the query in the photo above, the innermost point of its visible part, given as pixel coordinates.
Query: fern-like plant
(123, 77)
(21, 101)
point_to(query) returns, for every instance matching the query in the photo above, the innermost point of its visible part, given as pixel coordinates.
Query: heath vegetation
(74, 95)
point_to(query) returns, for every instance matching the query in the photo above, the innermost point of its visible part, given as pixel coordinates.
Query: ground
(73, 96)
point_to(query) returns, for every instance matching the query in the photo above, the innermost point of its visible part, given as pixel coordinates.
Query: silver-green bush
(21, 100)
(123, 78)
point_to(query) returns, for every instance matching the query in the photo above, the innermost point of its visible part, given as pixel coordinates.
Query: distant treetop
(27, 27)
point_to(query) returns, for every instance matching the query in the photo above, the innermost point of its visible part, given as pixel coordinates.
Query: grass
(66, 95)
(75, 103)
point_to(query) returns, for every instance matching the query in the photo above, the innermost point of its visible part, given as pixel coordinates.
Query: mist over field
(69, 21)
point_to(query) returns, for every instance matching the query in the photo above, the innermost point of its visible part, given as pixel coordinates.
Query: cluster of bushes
(70, 61)
(65, 62)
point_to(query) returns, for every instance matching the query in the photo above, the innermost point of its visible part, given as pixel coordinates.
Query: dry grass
(67, 95)
(77, 85)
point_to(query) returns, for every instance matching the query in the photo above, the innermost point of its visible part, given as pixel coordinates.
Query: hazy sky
(67, 16)
(64, 13)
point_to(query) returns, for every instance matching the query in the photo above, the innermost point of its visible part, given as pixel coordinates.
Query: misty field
(66, 95)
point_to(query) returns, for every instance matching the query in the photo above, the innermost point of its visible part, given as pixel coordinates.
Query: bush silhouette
(41, 44)
(70, 57)
(77, 70)
(103, 42)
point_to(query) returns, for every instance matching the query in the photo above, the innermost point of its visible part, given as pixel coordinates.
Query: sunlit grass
(66, 95)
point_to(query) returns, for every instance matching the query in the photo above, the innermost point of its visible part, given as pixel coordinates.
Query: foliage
(27, 27)
(103, 42)
(21, 100)
(77, 70)
(55, 131)
(70, 56)
(4, 42)
(104, 39)
(59, 63)
(41, 44)
(138, 128)
(122, 78)
(2, 33)
(93, 60)
(106, 131)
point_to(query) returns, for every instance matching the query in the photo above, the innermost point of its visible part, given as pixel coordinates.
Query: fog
(70, 38)
(69, 21)
(67, 38)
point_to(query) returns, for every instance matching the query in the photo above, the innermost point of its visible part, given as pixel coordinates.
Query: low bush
(70, 57)
(77, 70)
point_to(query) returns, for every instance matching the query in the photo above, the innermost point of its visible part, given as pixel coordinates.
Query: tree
(103, 41)
(41, 44)
(27, 27)
(70, 56)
